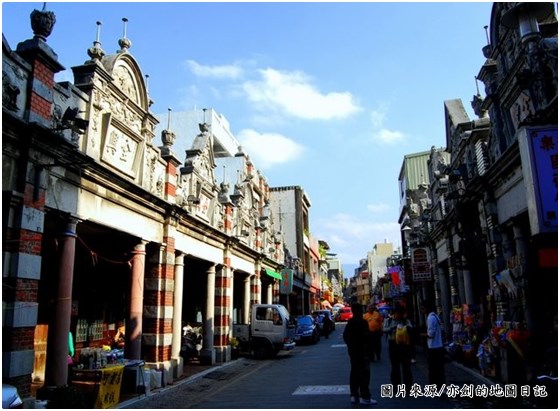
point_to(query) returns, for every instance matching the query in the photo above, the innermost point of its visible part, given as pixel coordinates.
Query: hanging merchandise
(518, 338)
(505, 279)
(487, 358)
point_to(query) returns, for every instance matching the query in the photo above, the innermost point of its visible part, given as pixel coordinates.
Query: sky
(322, 95)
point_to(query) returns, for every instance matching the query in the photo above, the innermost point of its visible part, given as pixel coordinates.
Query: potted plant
(234, 343)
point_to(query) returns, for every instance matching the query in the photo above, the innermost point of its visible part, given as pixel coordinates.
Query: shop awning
(273, 273)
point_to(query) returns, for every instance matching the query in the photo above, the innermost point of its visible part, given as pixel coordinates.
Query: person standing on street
(355, 336)
(436, 352)
(327, 325)
(398, 337)
(375, 324)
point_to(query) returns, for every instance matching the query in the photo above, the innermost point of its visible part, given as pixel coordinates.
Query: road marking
(338, 345)
(322, 390)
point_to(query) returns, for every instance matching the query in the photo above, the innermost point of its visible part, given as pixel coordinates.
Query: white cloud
(351, 238)
(378, 117)
(293, 93)
(378, 207)
(388, 136)
(380, 133)
(231, 71)
(268, 149)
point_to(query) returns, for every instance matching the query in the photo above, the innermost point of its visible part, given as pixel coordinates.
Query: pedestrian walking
(436, 352)
(328, 324)
(397, 329)
(414, 336)
(356, 337)
(375, 325)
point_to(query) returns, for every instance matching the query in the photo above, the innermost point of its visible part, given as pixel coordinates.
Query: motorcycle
(191, 342)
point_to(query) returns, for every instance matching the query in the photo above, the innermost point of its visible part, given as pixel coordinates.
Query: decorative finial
(150, 101)
(476, 84)
(125, 20)
(167, 136)
(96, 52)
(487, 50)
(478, 102)
(124, 43)
(98, 31)
(42, 22)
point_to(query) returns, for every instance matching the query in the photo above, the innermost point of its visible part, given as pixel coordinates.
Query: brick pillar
(158, 302)
(256, 285)
(44, 65)
(259, 239)
(23, 231)
(228, 218)
(276, 292)
(21, 265)
(222, 312)
(173, 162)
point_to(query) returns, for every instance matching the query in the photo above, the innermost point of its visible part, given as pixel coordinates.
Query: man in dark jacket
(355, 336)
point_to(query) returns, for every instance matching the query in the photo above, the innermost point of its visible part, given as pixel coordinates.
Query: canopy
(273, 274)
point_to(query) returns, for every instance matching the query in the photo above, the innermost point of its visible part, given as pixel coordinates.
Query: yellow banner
(109, 386)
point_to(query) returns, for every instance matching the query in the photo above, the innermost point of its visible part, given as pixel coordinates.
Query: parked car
(344, 314)
(320, 315)
(307, 330)
(10, 397)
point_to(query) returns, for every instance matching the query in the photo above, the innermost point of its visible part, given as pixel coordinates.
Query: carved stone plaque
(119, 149)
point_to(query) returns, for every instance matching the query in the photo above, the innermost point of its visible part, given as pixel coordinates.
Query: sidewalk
(191, 372)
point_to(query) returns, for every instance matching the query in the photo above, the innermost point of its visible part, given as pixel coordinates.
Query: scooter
(191, 343)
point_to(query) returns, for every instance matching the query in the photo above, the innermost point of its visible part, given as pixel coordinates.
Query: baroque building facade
(491, 226)
(102, 225)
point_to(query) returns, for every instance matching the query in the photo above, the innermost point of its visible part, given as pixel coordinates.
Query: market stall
(101, 387)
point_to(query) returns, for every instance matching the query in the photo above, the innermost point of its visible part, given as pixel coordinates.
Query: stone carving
(122, 113)
(124, 80)
(10, 93)
(119, 150)
(42, 23)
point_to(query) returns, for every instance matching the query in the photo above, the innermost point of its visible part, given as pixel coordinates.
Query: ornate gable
(121, 128)
(197, 186)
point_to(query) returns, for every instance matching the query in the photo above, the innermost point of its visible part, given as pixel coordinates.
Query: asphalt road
(314, 377)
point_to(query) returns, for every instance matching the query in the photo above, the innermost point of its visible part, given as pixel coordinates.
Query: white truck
(271, 329)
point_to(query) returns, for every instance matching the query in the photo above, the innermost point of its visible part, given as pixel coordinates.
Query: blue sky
(327, 96)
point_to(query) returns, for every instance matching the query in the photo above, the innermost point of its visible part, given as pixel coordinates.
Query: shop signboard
(286, 284)
(109, 387)
(421, 268)
(539, 157)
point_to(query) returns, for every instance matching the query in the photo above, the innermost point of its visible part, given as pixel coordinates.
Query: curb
(473, 373)
(174, 385)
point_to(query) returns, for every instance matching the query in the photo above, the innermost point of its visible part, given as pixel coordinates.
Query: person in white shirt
(436, 351)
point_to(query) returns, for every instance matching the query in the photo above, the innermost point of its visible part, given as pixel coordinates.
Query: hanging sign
(287, 282)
